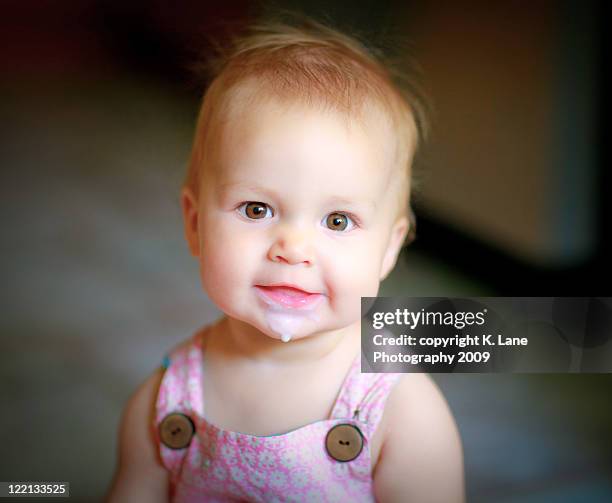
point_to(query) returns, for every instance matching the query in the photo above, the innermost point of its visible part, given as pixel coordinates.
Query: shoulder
(139, 411)
(417, 398)
(140, 472)
(421, 457)
(181, 348)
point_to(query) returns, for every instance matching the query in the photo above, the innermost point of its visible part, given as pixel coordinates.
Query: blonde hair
(307, 62)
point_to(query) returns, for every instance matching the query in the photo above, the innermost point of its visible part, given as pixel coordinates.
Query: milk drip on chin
(287, 322)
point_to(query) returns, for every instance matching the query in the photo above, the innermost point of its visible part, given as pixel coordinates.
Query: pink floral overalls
(325, 461)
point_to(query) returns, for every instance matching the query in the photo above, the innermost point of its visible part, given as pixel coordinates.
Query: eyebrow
(341, 201)
(348, 203)
(249, 187)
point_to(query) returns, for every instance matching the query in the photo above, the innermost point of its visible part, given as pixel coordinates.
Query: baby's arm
(421, 458)
(140, 475)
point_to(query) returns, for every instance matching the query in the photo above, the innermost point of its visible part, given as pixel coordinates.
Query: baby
(296, 204)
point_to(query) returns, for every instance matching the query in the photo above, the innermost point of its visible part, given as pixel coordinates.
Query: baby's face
(296, 200)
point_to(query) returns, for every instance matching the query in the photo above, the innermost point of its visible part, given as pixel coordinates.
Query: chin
(279, 325)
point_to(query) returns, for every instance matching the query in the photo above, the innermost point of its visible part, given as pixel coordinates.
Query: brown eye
(255, 210)
(337, 221)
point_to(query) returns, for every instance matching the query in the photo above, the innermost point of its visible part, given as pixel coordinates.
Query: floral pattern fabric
(228, 466)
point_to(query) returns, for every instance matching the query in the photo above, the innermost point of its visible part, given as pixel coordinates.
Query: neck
(243, 339)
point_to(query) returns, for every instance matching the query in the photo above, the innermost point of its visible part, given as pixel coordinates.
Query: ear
(396, 240)
(189, 204)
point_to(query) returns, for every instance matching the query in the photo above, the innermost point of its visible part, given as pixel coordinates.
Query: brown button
(344, 442)
(176, 430)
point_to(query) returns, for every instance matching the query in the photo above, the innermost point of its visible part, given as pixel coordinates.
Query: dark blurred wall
(513, 160)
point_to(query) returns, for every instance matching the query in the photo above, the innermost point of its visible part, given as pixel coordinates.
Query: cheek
(353, 272)
(224, 262)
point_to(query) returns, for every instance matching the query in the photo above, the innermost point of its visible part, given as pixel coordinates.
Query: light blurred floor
(98, 284)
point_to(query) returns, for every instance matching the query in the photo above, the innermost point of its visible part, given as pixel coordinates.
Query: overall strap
(179, 393)
(377, 388)
(180, 387)
(363, 396)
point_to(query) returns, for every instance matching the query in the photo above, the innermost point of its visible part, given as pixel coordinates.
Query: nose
(292, 246)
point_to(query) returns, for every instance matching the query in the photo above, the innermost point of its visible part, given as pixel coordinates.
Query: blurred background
(98, 108)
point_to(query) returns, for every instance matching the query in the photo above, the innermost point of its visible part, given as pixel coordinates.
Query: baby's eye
(339, 222)
(255, 210)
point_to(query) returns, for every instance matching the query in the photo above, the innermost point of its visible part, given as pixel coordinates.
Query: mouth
(288, 296)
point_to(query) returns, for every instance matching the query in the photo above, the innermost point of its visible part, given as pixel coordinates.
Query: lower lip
(288, 297)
